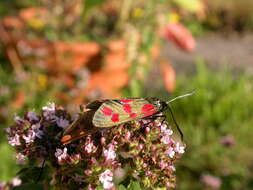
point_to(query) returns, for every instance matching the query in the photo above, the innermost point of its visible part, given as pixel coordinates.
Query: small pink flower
(228, 140)
(163, 164)
(140, 147)
(15, 140)
(88, 172)
(147, 130)
(50, 107)
(61, 155)
(172, 168)
(74, 159)
(61, 122)
(170, 151)
(103, 140)
(110, 152)
(49, 111)
(32, 116)
(179, 148)
(148, 173)
(29, 138)
(168, 132)
(16, 181)
(212, 181)
(21, 159)
(106, 179)
(127, 135)
(166, 139)
(163, 127)
(89, 146)
(144, 165)
(36, 129)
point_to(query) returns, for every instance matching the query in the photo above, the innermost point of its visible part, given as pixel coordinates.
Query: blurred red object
(13, 22)
(180, 35)
(28, 14)
(168, 76)
(19, 99)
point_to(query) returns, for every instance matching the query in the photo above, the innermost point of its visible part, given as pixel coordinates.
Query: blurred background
(72, 52)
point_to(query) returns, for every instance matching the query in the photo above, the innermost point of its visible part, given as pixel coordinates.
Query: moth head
(159, 104)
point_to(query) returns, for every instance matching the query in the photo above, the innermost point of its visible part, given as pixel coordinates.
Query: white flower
(21, 159)
(179, 149)
(16, 181)
(36, 129)
(32, 116)
(106, 179)
(168, 132)
(172, 168)
(61, 155)
(14, 141)
(163, 127)
(61, 122)
(110, 153)
(89, 147)
(50, 107)
(166, 139)
(170, 151)
(49, 111)
(30, 137)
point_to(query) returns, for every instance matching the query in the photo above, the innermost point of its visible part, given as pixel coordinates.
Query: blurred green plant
(230, 15)
(217, 123)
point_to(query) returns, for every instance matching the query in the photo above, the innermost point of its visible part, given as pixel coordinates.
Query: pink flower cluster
(143, 150)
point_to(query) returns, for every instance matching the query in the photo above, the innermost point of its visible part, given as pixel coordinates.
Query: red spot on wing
(127, 108)
(126, 100)
(107, 111)
(132, 115)
(115, 117)
(149, 113)
(147, 108)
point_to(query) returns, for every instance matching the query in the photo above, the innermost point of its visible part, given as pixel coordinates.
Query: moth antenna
(177, 126)
(179, 97)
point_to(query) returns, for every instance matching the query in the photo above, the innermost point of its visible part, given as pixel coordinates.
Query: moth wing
(95, 104)
(115, 112)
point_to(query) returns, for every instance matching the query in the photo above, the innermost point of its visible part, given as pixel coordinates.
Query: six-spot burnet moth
(108, 113)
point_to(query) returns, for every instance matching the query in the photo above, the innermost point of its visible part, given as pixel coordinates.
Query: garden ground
(215, 49)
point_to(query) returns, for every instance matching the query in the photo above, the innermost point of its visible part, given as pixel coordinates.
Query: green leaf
(99, 188)
(92, 3)
(134, 185)
(122, 187)
(8, 167)
(32, 175)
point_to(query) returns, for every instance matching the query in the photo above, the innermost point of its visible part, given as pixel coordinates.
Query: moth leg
(175, 122)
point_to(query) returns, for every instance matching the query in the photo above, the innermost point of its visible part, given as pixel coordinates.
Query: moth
(109, 113)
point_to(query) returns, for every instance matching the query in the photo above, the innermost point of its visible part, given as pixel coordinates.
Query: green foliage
(29, 187)
(8, 167)
(222, 105)
(7, 7)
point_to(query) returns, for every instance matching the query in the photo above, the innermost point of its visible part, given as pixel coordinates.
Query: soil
(216, 50)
